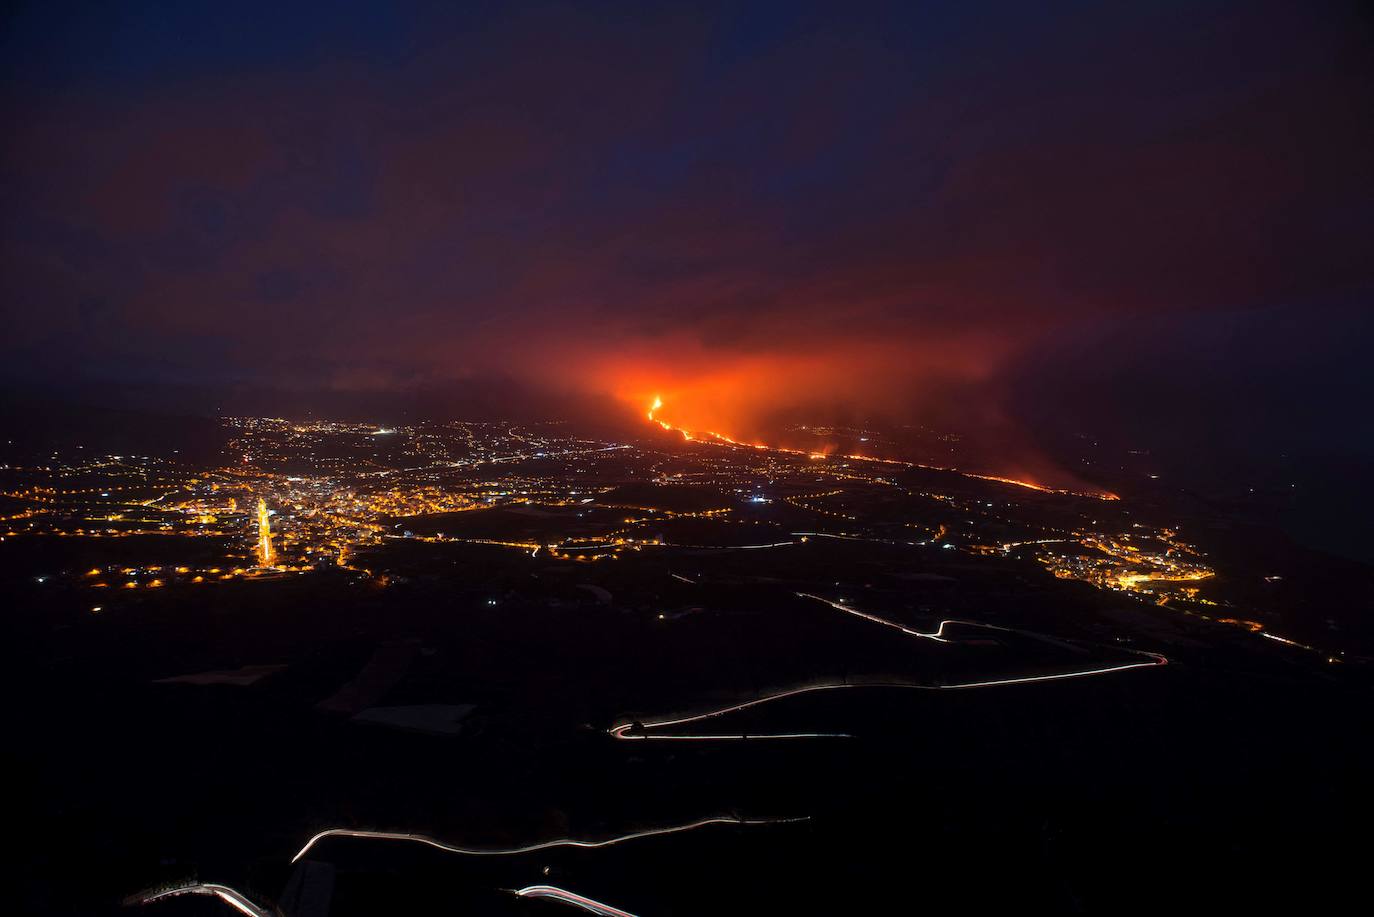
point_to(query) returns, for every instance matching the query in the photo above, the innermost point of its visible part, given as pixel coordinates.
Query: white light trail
(226, 894)
(543, 845)
(734, 547)
(622, 731)
(1276, 637)
(567, 897)
(938, 635)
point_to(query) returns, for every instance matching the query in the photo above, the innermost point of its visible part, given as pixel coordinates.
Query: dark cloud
(758, 207)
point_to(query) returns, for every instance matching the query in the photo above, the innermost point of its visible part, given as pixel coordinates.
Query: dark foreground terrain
(551, 653)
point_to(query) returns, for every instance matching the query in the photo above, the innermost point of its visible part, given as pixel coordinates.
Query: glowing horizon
(718, 438)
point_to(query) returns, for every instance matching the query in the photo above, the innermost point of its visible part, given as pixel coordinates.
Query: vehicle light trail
(241, 903)
(624, 730)
(567, 897)
(1276, 637)
(734, 547)
(234, 898)
(938, 635)
(543, 845)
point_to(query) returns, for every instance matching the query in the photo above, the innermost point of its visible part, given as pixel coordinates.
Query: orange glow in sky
(714, 436)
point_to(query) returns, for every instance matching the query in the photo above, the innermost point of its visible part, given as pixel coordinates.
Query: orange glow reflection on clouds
(856, 376)
(740, 398)
(736, 394)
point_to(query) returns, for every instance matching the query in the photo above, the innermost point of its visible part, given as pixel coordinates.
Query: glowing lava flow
(1101, 495)
(710, 436)
(543, 845)
(653, 409)
(567, 897)
(623, 731)
(697, 436)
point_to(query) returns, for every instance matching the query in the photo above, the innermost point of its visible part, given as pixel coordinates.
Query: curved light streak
(567, 897)
(938, 635)
(235, 899)
(622, 731)
(734, 547)
(542, 845)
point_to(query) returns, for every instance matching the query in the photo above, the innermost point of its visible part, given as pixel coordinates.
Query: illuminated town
(687, 459)
(302, 498)
(664, 528)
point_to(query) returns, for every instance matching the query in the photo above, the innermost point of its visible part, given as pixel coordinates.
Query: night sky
(1151, 221)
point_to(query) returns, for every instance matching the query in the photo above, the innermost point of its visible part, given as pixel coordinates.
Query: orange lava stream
(710, 436)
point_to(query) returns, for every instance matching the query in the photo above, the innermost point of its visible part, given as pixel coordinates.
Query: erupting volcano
(714, 437)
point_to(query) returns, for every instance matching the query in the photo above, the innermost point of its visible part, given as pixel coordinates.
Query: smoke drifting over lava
(803, 217)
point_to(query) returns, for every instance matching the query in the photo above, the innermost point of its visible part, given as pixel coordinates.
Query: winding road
(241, 903)
(638, 731)
(235, 899)
(543, 845)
